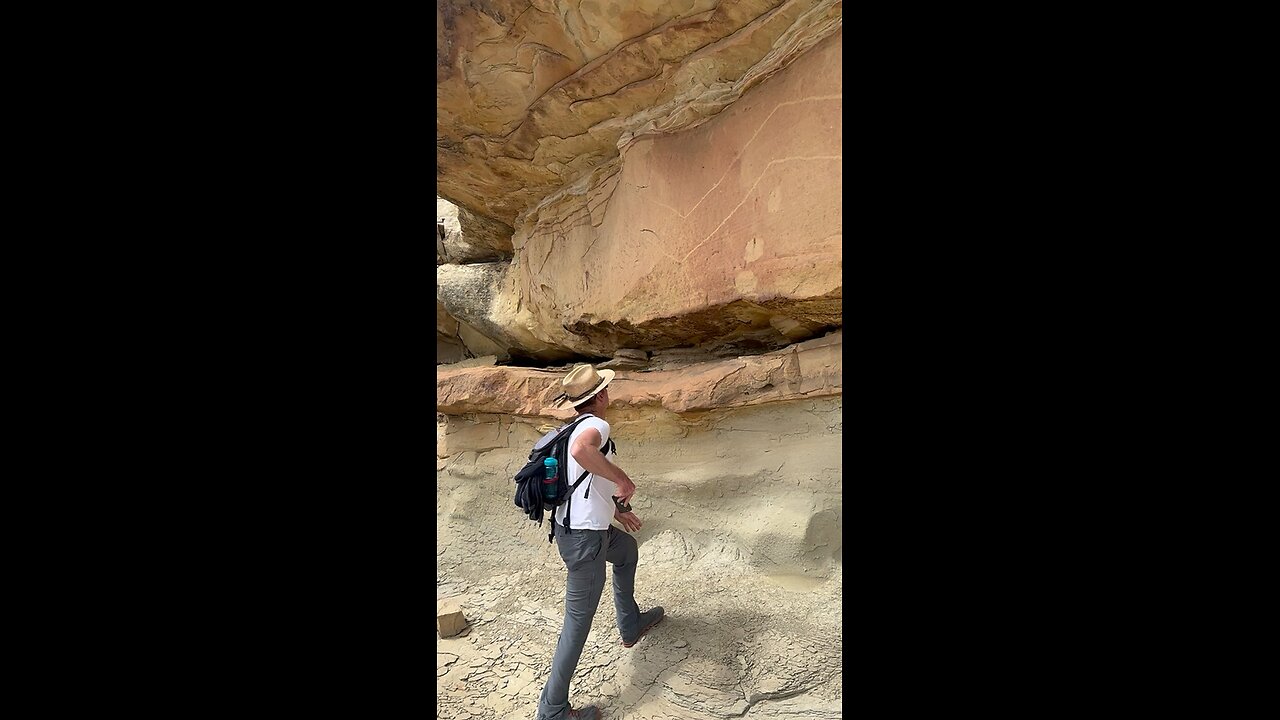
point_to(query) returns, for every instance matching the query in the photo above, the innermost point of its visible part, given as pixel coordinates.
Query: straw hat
(580, 385)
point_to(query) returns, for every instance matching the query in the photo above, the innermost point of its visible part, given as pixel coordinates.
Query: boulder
(449, 619)
(471, 294)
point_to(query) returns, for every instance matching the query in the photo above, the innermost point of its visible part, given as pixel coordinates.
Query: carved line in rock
(747, 195)
(657, 241)
(743, 150)
(753, 74)
(560, 223)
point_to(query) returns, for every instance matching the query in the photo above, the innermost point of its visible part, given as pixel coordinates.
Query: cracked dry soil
(739, 553)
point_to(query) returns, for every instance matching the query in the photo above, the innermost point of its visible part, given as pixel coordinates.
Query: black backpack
(529, 486)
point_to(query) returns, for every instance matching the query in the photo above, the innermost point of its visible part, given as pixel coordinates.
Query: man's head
(584, 389)
(596, 405)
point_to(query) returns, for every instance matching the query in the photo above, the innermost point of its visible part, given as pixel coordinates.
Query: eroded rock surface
(661, 174)
(729, 232)
(464, 237)
(534, 94)
(809, 369)
(468, 294)
(739, 507)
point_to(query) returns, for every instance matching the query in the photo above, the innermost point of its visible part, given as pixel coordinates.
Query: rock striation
(533, 94)
(670, 171)
(741, 542)
(808, 369)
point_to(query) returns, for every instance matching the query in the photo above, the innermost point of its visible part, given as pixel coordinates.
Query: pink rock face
(670, 173)
(745, 207)
(532, 95)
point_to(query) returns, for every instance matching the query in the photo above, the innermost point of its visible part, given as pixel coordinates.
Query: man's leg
(583, 553)
(624, 554)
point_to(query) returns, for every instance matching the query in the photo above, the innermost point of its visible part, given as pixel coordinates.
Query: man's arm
(586, 450)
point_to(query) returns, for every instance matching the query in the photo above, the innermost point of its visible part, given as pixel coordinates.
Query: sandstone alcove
(653, 187)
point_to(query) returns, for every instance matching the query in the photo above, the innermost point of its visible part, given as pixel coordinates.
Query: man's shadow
(708, 660)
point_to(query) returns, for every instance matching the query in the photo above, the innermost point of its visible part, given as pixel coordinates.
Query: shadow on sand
(709, 662)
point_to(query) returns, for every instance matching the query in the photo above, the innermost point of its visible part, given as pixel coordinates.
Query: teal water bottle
(549, 484)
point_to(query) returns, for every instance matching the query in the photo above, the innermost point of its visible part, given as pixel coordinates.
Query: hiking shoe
(584, 713)
(647, 621)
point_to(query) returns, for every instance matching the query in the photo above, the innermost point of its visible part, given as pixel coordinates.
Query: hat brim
(607, 377)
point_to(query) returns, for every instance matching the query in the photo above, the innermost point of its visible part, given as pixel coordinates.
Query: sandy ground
(741, 546)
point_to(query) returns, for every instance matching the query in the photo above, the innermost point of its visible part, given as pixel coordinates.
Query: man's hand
(628, 520)
(626, 489)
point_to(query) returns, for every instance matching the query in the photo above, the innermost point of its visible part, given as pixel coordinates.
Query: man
(592, 541)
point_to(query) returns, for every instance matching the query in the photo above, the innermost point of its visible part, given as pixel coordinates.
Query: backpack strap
(568, 503)
(568, 428)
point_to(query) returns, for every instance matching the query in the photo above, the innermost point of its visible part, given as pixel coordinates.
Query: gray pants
(584, 553)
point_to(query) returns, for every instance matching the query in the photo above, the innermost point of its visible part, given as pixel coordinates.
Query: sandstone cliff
(678, 188)
(652, 186)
